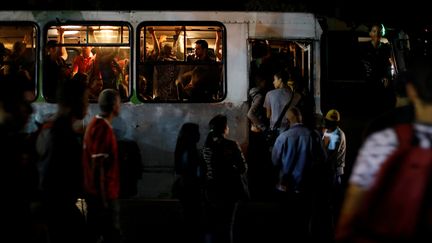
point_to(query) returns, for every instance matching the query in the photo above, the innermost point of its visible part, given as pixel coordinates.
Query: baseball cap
(333, 115)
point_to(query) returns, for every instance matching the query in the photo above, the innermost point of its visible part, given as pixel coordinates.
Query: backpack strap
(284, 110)
(404, 134)
(392, 207)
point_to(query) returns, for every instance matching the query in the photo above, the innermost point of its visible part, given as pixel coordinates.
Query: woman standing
(225, 173)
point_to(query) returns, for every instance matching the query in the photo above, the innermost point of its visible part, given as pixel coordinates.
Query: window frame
(36, 45)
(84, 23)
(184, 24)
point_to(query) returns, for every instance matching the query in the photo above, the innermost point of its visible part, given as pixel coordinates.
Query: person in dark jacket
(225, 174)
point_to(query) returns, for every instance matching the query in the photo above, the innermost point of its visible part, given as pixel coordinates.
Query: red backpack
(395, 206)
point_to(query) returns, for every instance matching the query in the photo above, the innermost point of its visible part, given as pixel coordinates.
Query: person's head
(332, 119)
(167, 50)
(261, 82)
(86, 51)
(109, 102)
(2, 50)
(294, 116)
(188, 134)
(376, 32)
(280, 79)
(219, 125)
(260, 48)
(419, 83)
(51, 47)
(201, 48)
(19, 48)
(15, 109)
(72, 96)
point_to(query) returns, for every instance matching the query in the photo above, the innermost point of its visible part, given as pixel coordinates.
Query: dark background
(390, 12)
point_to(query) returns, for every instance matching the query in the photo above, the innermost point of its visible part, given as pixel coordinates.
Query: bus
(143, 53)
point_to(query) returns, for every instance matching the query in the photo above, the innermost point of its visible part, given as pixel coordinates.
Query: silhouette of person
(189, 171)
(377, 62)
(379, 150)
(60, 149)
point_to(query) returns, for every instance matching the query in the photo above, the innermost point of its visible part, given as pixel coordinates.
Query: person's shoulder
(380, 139)
(255, 91)
(271, 92)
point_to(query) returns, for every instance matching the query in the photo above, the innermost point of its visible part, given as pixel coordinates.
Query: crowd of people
(64, 178)
(197, 80)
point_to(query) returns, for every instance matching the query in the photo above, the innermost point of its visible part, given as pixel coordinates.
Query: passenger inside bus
(21, 64)
(164, 75)
(201, 52)
(110, 63)
(4, 52)
(201, 86)
(57, 70)
(172, 54)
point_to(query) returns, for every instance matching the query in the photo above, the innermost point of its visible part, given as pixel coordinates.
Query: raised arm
(156, 42)
(62, 49)
(218, 43)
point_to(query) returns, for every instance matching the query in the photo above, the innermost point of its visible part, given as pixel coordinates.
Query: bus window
(18, 43)
(180, 63)
(268, 57)
(271, 56)
(100, 51)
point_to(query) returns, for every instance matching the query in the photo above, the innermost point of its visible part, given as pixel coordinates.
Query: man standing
(101, 169)
(295, 155)
(408, 147)
(335, 145)
(377, 62)
(60, 168)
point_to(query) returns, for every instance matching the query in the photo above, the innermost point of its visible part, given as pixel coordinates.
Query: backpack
(395, 207)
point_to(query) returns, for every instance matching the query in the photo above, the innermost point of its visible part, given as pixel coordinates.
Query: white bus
(154, 108)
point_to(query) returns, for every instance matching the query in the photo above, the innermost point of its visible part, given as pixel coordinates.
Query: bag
(394, 206)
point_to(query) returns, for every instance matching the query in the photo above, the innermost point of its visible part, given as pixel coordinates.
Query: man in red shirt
(101, 169)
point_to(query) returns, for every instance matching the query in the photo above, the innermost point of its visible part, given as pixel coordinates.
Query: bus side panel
(155, 127)
(237, 67)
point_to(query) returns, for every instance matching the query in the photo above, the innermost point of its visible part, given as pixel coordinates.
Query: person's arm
(268, 112)
(178, 45)
(63, 53)
(387, 77)
(75, 65)
(240, 161)
(156, 44)
(351, 206)
(184, 78)
(218, 43)
(253, 111)
(175, 38)
(375, 150)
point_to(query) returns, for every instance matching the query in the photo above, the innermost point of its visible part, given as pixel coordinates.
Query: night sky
(401, 13)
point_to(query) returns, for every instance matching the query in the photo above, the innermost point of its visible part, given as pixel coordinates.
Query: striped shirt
(377, 148)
